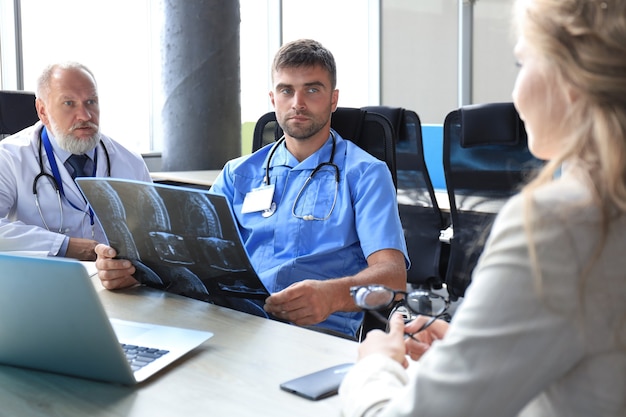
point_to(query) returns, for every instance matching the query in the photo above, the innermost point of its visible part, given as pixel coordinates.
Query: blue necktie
(77, 162)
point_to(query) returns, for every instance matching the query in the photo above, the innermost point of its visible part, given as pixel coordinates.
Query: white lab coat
(21, 225)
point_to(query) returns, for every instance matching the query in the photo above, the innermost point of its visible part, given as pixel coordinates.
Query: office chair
(371, 131)
(485, 160)
(17, 111)
(421, 217)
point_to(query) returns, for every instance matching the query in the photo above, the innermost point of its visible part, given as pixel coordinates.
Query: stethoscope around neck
(56, 181)
(266, 181)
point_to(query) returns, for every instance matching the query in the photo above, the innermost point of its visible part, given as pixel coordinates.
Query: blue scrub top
(284, 248)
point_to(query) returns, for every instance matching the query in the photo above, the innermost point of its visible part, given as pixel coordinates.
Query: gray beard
(71, 143)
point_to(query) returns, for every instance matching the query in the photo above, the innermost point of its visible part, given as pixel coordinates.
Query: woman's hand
(420, 342)
(390, 344)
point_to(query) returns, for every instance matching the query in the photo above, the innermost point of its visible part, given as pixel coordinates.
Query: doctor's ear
(335, 99)
(272, 98)
(42, 111)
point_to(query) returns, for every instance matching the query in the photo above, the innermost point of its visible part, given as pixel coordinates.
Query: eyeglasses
(378, 297)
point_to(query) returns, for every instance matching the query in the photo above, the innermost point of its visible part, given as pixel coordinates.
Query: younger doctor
(542, 329)
(317, 213)
(41, 208)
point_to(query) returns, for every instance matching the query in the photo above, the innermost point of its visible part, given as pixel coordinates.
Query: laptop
(51, 319)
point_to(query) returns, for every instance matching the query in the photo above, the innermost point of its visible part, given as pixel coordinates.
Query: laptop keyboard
(140, 356)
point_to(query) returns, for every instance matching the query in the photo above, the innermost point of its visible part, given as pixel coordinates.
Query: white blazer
(22, 227)
(518, 346)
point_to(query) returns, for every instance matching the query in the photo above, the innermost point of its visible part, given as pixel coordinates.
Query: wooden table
(235, 373)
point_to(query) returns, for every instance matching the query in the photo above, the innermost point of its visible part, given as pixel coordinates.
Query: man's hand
(310, 302)
(81, 249)
(303, 303)
(113, 273)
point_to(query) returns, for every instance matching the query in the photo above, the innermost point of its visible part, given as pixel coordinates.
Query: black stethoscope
(266, 180)
(55, 178)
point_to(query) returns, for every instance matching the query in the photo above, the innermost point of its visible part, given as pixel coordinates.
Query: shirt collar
(282, 157)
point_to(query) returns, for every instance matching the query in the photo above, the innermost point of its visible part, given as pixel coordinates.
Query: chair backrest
(371, 131)
(485, 160)
(421, 217)
(17, 111)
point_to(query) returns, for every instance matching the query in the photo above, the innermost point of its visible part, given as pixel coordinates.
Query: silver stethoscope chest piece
(270, 211)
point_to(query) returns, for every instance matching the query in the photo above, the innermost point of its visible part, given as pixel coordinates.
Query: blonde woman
(542, 330)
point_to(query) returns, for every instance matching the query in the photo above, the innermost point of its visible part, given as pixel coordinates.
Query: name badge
(258, 199)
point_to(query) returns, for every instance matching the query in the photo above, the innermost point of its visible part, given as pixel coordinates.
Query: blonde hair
(584, 44)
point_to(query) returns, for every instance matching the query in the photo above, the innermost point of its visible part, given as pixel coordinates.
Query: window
(110, 37)
(348, 28)
(116, 40)
(375, 44)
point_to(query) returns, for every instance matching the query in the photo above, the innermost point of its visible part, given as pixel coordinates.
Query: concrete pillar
(200, 117)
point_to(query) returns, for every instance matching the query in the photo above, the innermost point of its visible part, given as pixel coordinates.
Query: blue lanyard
(55, 170)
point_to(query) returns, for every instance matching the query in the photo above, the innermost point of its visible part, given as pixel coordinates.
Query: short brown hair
(305, 53)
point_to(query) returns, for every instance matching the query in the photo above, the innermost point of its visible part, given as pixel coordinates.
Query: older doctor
(41, 208)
